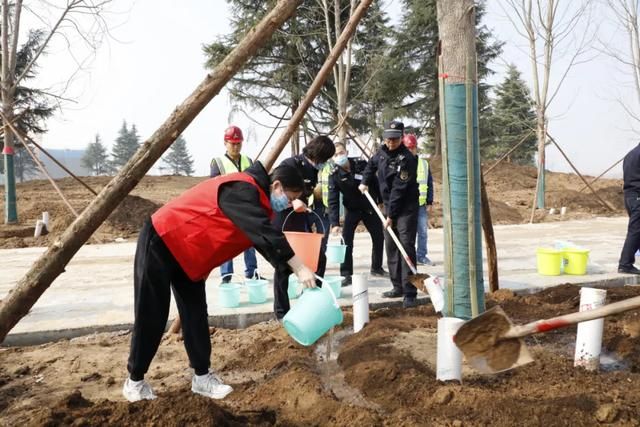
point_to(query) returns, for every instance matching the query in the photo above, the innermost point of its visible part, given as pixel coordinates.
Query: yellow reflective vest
(423, 180)
(225, 165)
(323, 182)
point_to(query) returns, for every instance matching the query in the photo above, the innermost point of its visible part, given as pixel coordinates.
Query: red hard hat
(410, 140)
(233, 134)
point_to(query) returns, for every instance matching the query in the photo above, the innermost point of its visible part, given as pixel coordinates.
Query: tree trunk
(460, 158)
(541, 136)
(315, 87)
(51, 264)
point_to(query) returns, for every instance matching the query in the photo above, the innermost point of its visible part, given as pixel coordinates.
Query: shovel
(416, 279)
(491, 343)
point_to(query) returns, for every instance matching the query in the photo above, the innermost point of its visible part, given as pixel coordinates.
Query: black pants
(632, 241)
(156, 272)
(405, 227)
(374, 227)
(295, 222)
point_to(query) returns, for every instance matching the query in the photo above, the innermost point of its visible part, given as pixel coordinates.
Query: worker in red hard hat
(425, 199)
(234, 161)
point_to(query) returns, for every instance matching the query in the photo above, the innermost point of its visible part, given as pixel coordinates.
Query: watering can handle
(335, 300)
(392, 234)
(324, 231)
(573, 318)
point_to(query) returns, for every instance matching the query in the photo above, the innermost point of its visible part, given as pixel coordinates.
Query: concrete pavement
(96, 290)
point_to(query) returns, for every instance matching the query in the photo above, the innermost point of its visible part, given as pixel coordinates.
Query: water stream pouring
(415, 278)
(491, 343)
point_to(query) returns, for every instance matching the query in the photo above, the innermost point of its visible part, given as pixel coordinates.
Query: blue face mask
(279, 202)
(341, 160)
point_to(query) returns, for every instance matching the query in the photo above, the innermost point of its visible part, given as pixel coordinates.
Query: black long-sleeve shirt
(347, 182)
(631, 171)
(396, 174)
(240, 202)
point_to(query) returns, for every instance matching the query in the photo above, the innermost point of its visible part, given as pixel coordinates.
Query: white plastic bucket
(436, 294)
(589, 336)
(449, 357)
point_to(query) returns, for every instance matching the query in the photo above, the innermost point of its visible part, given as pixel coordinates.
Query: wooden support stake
(507, 153)
(356, 139)
(315, 87)
(40, 165)
(84, 184)
(51, 263)
(489, 238)
(602, 174)
(605, 204)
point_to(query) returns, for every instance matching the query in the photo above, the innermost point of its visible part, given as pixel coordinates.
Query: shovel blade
(417, 280)
(482, 342)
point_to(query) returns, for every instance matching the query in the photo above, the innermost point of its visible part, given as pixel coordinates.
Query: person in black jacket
(313, 158)
(395, 169)
(631, 188)
(345, 179)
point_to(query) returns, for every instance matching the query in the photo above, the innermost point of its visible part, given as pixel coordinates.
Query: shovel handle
(391, 233)
(540, 326)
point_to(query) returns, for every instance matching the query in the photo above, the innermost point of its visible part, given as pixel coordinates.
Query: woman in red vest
(183, 242)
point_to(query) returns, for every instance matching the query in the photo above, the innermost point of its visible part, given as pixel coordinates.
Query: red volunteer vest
(197, 232)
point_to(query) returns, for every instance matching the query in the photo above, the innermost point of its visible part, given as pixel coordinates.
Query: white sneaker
(210, 385)
(134, 391)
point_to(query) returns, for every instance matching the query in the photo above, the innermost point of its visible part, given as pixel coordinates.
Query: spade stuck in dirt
(491, 343)
(416, 279)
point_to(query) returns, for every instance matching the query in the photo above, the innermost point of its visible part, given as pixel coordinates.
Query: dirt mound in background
(510, 189)
(384, 375)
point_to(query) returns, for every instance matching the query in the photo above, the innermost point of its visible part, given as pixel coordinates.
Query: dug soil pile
(384, 375)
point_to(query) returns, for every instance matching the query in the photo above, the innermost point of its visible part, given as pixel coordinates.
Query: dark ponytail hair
(319, 149)
(289, 176)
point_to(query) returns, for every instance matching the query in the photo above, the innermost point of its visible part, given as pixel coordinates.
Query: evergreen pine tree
(95, 157)
(513, 118)
(178, 159)
(127, 143)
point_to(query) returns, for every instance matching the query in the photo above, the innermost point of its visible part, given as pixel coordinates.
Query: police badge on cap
(393, 129)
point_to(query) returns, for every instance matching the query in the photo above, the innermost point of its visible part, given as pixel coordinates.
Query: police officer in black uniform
(313, 158)
(395, 169)
(345, 178)
(631, 187)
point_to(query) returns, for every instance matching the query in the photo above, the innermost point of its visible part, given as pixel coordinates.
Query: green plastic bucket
(257, 290)
(293, 289)
(549, 261)
(576, 261)
(335, 282)
(336, 251)
(229, 295)
(312, 316)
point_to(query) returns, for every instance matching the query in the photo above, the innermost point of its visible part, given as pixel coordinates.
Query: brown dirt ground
(384, 375)
(510, 189)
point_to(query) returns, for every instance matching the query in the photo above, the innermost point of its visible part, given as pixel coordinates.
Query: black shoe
(393, 293)
(258, 277)
(346, 281)
(226, 279)
(379, 273)
(628, 270)
(409, 302)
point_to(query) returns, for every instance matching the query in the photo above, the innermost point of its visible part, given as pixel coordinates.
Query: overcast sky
(154, 60)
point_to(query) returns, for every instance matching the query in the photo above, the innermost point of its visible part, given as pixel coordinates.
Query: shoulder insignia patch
(404, 175)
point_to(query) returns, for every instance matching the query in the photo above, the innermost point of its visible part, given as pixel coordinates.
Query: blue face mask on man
(279, 202)
(341, 160)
